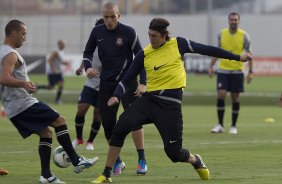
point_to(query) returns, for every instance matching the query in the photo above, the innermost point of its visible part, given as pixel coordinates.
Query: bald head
(110, 14)
(61, 44)
(110, 5)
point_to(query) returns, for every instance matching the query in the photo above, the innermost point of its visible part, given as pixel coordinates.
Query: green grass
(262, 90)
(252, 156)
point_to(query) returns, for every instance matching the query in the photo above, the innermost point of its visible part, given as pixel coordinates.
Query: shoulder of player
(127, 28)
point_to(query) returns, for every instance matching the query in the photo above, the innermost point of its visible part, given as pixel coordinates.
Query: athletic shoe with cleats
(233, 130)
(77, 142)
(118, 168)
(142, 167)
(102, 179)
(3, 172)
(84, 164)
(201, 168)
(217, 129)
(89, 146)
(52, 179)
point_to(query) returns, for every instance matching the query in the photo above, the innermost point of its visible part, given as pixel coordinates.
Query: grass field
(252, 156)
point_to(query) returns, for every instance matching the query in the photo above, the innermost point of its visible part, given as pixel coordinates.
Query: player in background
(230, 76)
(116, 43)
(26, 113)
(88, 96)
(161, 104)
(54, 71)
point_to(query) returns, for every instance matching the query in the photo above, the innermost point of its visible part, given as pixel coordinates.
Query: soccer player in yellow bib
(230, 76)
(161, 104)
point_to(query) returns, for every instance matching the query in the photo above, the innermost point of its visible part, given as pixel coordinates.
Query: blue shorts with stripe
(88, 96)
(34, 119)
(230, 82)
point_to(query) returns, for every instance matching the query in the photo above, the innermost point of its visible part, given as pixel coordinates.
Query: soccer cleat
(118, 168)
(89, 146)
(84, 163)
(233, 130)
(77, 142)
(102, 179)
(201, 168)
(52, 179)
(217, 129)
(142, 167)
(3, 172)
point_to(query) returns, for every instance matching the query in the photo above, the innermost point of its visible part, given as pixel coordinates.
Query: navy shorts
(88, 96)
(34, 119)
(53, 79)
(230, 82)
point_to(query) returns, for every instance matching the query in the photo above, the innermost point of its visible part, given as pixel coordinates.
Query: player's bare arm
(51, 61)
(9, 64)
(211, 69)
(250, 74)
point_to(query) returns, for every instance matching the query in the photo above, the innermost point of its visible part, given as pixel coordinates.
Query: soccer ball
(61, 158)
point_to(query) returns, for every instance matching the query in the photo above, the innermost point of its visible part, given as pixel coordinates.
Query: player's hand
(91, 72)
(246, 57)
(30, 87)
(113, 101)
(249, 78)
(140, 90)
(211, 72)
(79, 71)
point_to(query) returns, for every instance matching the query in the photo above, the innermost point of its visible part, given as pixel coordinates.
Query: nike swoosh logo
(99, 40)
(158, 67)
(171, 142)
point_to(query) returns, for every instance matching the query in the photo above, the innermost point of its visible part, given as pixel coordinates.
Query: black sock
(44, 149)
(79, 122)
(94, 130)
(59, 94)
(197, 164)
(63, 137)
(141, 154)
(220, 111)
(107, 172)
(235, 113)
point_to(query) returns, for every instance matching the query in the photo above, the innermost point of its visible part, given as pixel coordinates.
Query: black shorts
(230, 82)
(165, 114)
(34, 119)
(53, 79)
(109, 114)
(88, 96)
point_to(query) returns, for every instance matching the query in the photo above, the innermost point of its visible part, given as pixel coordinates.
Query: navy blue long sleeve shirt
(115, 50)
(184, 46)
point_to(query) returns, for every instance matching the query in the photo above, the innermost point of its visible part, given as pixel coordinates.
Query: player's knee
(45, 133)
(176, 153)
(59, 121)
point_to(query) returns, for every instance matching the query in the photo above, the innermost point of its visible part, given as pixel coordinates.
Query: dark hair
(233, 14)
(99, 21)
(13, 25)
(160, 25)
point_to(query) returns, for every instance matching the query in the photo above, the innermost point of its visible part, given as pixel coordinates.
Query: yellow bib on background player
(164, 69)
(235, 44)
